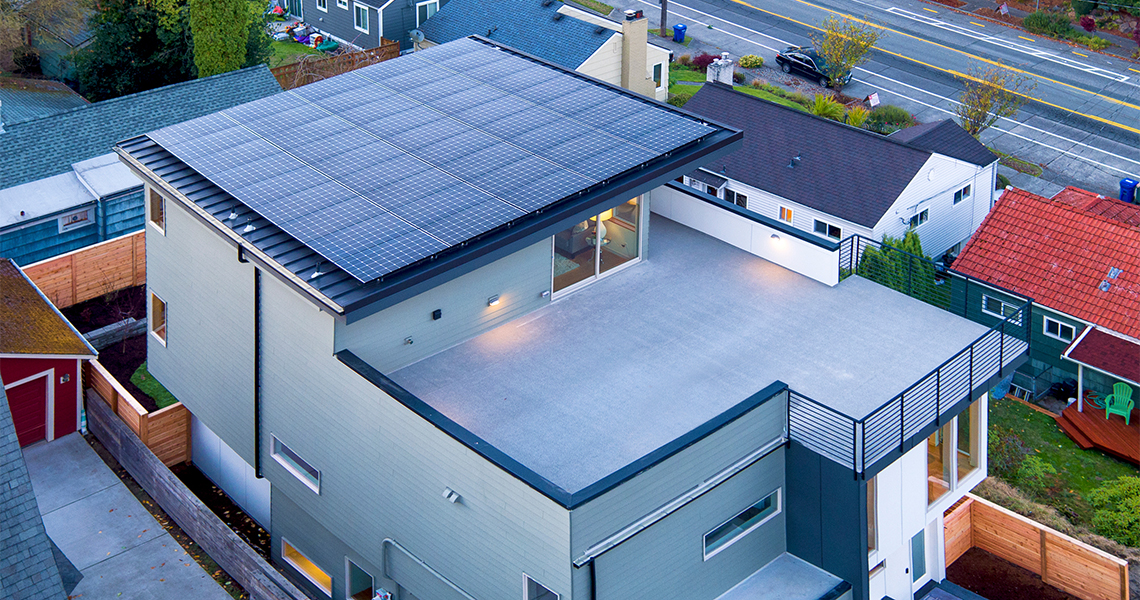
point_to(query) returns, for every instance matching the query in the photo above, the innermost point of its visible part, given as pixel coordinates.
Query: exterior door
(29, 405)
(898, 577)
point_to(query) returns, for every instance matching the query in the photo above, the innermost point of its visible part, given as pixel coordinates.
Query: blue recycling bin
(1128, 190)
(679, 33)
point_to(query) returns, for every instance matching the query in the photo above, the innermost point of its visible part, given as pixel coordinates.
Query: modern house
(41, 356)
(477, 346)
(835, 180)
(1077, 255)
(61, 187)
(617, 53)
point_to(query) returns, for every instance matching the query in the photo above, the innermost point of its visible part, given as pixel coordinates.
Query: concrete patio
(109, 536)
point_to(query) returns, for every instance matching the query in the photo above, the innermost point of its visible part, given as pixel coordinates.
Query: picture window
(1059, 330)
(306, 567)
(299, 467)
(828, 230)
(731, 531)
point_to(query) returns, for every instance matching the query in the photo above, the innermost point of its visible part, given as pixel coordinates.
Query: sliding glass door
(597, 245)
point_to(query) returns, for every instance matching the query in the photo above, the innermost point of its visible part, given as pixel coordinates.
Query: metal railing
(860, 443)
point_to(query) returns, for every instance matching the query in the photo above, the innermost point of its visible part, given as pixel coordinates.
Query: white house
(835, 180)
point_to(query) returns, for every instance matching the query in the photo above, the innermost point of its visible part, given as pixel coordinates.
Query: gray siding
(639, 496)
(123, 213)
(518, 280)
(384, 469)
(398, 19)
(208, 360)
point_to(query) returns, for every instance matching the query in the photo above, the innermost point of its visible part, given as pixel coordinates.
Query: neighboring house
(472, 365)
(1077, 256)
(41, 357)
(60, 186)
(573, 38)
(834, 180)
(26, 99)
(57, 45)
(31, 566)
(365, 23)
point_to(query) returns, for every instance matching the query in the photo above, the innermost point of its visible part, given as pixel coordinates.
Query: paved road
(1083, 122)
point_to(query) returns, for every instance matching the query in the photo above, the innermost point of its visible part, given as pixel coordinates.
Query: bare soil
(990, 13)
(122, 359)
(998, 579)
(951, 3)
(221, 505)
(108, 309)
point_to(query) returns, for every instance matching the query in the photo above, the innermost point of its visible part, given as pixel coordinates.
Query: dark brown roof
(1109, 353)
(948, 139)
(843, 171)
(29, 323)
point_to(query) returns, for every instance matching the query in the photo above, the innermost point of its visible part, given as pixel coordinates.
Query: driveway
(100, 526)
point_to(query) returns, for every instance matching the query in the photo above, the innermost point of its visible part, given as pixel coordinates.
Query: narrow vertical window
(156, 211)
(157, 318)
(872, 503)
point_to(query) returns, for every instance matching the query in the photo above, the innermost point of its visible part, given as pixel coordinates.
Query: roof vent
(1114, 272)
(557, 16)
(1104, 285)
(600, 30)
(547, 2)
(795, 160)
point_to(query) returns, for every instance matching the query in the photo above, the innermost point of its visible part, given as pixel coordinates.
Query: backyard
(287, 53)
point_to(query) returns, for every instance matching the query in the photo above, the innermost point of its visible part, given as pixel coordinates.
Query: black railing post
(854, 448)
(1001, 351)
(966, 297)
(902, 422)
(971, 368)
(938, 397)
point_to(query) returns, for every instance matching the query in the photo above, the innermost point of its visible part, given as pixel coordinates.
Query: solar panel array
(387, 165)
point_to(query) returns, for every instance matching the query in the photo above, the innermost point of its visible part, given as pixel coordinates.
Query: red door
(28, 403)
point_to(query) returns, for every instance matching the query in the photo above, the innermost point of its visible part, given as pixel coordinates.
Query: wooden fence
(315, 68)
(166, 431)
(90, 272)
(1062, 561)
(240, 561)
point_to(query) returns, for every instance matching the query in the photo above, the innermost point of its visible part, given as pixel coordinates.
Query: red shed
(40, 359)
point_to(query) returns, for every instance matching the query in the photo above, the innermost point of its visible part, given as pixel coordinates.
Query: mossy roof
(30, 323)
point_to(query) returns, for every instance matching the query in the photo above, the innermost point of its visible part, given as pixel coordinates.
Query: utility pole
(664, 31)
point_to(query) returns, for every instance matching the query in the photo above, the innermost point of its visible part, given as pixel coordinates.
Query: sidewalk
(101, 528)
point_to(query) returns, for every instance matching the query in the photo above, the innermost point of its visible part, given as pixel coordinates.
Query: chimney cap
(632, 15)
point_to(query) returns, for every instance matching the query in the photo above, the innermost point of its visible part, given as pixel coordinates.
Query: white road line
(673, 3)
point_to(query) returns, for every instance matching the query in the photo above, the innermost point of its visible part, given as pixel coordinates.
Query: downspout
(593, 582)
(257, 373)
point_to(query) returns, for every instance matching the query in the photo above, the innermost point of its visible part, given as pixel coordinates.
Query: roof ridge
(1098, 217)
(118, 99)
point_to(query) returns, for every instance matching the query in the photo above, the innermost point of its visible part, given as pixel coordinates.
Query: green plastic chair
(1119, 402)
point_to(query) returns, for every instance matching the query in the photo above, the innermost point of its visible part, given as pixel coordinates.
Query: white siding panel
(803, 217)
(605, 62)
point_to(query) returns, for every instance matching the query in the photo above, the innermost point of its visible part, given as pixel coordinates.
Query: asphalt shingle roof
(29, 323)
(24, 99)
(47, 146)
(527, 25)
(949, 139)
(1107, 352)
(843, 171)
(1061, 257)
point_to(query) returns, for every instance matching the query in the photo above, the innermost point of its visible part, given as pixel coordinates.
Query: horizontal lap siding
(124, 213)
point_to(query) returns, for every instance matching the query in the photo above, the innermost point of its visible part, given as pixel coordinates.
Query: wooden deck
(1089, 429)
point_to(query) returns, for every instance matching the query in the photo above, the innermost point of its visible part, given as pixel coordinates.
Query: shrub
(738, 78)
(1095, 42)
(678, 100)
(857, 115)
(1036, 475)
(684, 60)
(889, 114)
(1051, 24)
(826, 107)
(1002, 182)
(1006, 452)
(758, 83)
(1117, 505)
(751, 61)
(1088, 23)
(703, 60)
(1083, 7)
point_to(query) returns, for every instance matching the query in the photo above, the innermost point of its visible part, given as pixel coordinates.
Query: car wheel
(785, 67)
(823, 81)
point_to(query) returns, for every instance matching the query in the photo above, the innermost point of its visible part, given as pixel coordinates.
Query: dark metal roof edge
(523, 473)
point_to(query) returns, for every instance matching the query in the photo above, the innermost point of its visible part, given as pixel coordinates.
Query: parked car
(805, 60)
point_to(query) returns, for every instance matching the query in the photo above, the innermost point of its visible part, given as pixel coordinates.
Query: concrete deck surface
(787, 577)
(588, 384)
(101, 528)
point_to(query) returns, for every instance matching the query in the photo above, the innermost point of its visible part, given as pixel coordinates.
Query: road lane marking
(1079, 54)
(978, 24)
(1025, 38)
(1133, 70)
(930, 9)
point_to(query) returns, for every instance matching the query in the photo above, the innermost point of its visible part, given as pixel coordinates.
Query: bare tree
(843, 45)
(989, 94)
(19, 20)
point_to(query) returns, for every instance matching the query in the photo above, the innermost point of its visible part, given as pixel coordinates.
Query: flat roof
(596, 380)
(787, 577)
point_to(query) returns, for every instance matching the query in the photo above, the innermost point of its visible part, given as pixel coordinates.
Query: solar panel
(388, 165)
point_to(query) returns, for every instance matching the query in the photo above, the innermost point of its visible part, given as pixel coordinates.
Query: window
(680, 180)
(736, 198)
(828, 230)
(360, 17)
(969, 443)
(872, 502)
(296, 465)
(993, 306)
(425, 10)
(657, 71)
(786, 215)
(323, 5)
(938, 464)
(920, 218)
(157, 318)
(306, 567)
(360, 586)
(961, 194)
(157, 211)
(1057, 329)
(918, 555)
(742, 524)
(77, 219)
(713, 191)
(537, 591)
(342, 4)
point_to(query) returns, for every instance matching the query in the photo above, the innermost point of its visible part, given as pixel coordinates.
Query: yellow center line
(1025, 38)
(956, 73)
(930, 9)
(978, 24)
(1133, 70)
(1079, 54)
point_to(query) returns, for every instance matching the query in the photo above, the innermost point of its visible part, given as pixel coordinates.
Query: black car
(805, 60)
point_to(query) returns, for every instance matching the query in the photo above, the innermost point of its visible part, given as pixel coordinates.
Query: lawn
(151, 387)
(601, 7)
(657, 32)
(1081, 471)
(678, 89)
(285, 53)
(683, 73)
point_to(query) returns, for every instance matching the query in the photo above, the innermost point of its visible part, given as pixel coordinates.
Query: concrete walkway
(100, 526)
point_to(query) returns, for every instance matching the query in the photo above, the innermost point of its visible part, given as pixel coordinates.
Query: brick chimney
(720, 70)
(634, 38)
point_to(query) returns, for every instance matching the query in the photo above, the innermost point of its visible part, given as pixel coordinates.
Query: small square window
(76, 219)
(537, 591)
(156, 211)
(828, 230)
(712, 191)
(1059, 330)
(920, 218)
(961, 194)
(786, 215)
(729, 532)
(425, 11)
(736, 198)
(360, 18)
(994, 307)
(306, 567)
(342, 4)
(157, 318)
(323, 5)
(301, 469)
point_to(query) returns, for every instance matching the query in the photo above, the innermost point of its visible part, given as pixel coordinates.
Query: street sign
(873, 99)
(1004, 9)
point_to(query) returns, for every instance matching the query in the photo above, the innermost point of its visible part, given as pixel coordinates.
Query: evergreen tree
(221, 35)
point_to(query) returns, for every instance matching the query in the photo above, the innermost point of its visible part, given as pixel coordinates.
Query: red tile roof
(29, 323)
(1060, 256)
(1099, 205)
(1110, 353)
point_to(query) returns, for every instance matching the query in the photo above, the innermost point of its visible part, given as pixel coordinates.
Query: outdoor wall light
(775, 237)
(493, 300)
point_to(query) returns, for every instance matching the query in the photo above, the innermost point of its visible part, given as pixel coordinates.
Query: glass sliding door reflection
(620, 233)
(968, 441)
(574, 254)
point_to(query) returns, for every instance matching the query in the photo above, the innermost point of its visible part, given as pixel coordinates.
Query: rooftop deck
(598, 379)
